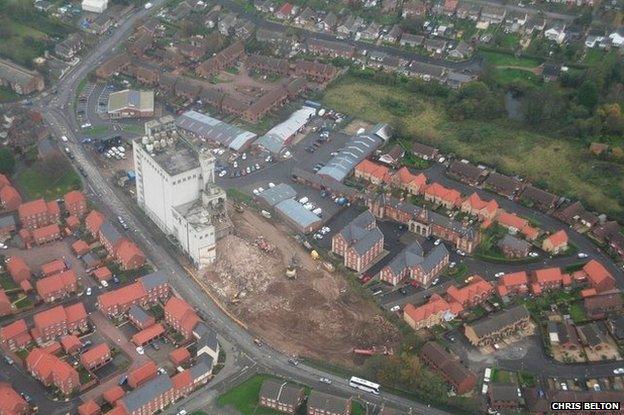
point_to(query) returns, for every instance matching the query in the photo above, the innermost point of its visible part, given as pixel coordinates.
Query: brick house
(503, 185)
(57, 286)
(142, 374)
(15, 336)
(498, 327)
(503, 396)
(221, 61)
(461, 378)
(18, 269)
(556, 243)
(320, 403)
(181, 316)
(5, 304)
(478, 207)
(179, 356)
(359, 243)
(96, 357)
(11, 403)
(516, 283)
(46, 234)
(436, 193)
(598, 276)
(71, 344)
(129, 255)
(59, 321)
(148, 289)
(10, 198)
(430, 314)
(406, 180)
(467, 173)
(538, 198)
(599, 306)
(281, 396)
(371, 172)
(316, 71)
(89, 407)
(549, 279)
(52, 371)
(513, 247)
(472, 294)
(76, 203)
(94, 222)
(80, 248)
(53, 267)
(38, 213)
(148, 335)
(413, 263)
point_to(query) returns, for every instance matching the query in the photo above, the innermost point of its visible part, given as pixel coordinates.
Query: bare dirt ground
(316, 315)
(355, 125)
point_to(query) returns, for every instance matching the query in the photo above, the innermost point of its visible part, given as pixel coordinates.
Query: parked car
(140, 350)
(395, 308)
(582, 255)
(325, 380)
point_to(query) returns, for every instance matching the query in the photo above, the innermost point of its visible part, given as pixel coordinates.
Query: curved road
(59, 114)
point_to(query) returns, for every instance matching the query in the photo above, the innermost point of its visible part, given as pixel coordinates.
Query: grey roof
(206, 337)
(426, 69)
(282, 392)
(215, 130)
(272, 196)
(413, 256)
(15, 73)
(324, 182)
(90, 259)
(297, 213)
(153, 280)
(514, 243)
(202, 366)
(138, 398)
(277, 136)
(110, 233)
(495, 322)
(503, 392)
(466, 170)
(444, 221)
(138, 314)
(503, 184)
(357, 149)
(176, 159)
(362, 233)
(329, 403)
(7, 220)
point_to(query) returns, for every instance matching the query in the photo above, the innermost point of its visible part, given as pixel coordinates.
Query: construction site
(292, 300)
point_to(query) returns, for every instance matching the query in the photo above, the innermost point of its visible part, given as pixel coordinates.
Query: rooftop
(178, 158)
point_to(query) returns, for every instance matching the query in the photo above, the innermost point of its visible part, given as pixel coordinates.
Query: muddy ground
(316, 315)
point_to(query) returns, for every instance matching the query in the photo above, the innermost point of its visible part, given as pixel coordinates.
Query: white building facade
(94, 6)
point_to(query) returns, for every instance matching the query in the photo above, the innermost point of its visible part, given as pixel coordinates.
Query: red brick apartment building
(461, 378)
(484, 210)
(281, 396)
(406, 180)
(413, 263)
(447, 197)
(316, 71)
(96, 357)
(38, 213)
(11, 403)
(472, 294)
(148, 289)
(222, 60)
(359, 243)
(142, 374)
(57, 286)
(15, 336)
(127, 253)
(59, 321)
(18, 269)
(46, 234)
(181, 316)
(76, 203)
(371, 172)
(429, 314)
(52, 371)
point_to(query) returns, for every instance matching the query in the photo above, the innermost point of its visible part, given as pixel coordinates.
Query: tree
(588, 94)
(7, 161)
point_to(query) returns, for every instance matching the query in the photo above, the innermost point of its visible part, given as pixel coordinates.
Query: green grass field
(503, 59)
(562, 165)
(35, 185)
(505, 76)
(16, 46)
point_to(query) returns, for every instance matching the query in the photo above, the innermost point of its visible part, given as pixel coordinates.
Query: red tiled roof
(530, 232)
(435, 305)
(547, 275)
(26, 286)
(182, 380)
(558, 239)
(588, 292)
(286, 9)
(122, 296)
(53, 267)
(70, 342)
(75, 196)
(179, 355)
(598, 275)
(117, 410)
(181, 312)
(89, 408)
(148, 334)
(11, 403)
(404, 176)
(52, 348)
(80, 247)
(73, 221)
(35, 207)
(113, 394)
(127, 250)
(479, 204)
(477, 287)
(14, 329)
(94, 221)
(75, 312)
(511, 220)
(47, 318)
(16, 266)
(56, 282)
(143, 373)
(94, 354)
(44, 364)
(46, 231)
(515, 278)
(380, 172)
(440, 192)
(4, 180)
(103, 274)
(9, 193)
(53, 208)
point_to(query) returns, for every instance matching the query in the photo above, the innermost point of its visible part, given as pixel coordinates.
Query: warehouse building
(297, 216)
(204, 127)
(131, 104)
(282, 134)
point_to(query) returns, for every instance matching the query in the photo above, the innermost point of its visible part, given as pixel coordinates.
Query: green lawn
(7, 95)
(504, 59)
(505, 76)
(7, 283)
(561, 164)
(24, 42)
(97, 130)
(35, 185)
(577, 312)
(244, 398)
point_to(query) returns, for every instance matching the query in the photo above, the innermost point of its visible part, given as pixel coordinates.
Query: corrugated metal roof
(297, 213)
(273, 196)
(215, 130)
(274, 139)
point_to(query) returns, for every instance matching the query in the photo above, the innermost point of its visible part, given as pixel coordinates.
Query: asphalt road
(58, 113)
